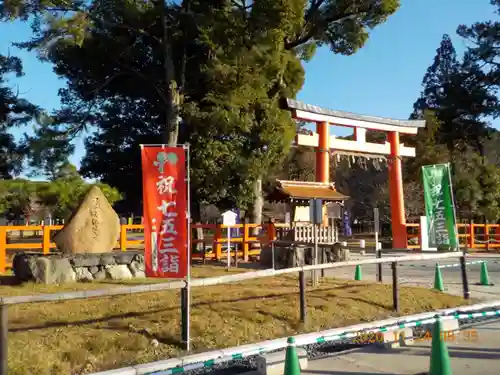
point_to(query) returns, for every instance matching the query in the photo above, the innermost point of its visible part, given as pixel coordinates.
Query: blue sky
(384, 78)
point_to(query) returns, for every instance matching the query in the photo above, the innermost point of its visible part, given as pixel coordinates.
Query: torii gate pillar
(396, 195)
(324, 143)
(323, 153)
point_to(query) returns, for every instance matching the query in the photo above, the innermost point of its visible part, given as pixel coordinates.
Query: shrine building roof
(299, 191)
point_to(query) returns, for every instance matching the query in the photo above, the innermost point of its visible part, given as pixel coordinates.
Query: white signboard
(229, 218)
(333, 211)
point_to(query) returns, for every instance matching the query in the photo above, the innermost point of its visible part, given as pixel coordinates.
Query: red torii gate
(323, 143)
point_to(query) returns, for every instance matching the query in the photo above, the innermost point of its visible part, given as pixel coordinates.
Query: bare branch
(304, 38)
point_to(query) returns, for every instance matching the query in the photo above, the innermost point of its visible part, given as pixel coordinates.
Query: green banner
(439, 206)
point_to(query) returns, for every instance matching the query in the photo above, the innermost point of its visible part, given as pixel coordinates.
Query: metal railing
(5, 302)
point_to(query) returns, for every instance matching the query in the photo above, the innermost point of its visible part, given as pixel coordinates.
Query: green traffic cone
(292, 365)
(440, 359)
(438, 279)
(357, 273)
(484, 278)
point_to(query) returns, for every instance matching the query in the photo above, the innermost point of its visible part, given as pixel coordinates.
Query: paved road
(467, 357)
(422, 274)
(480, 356)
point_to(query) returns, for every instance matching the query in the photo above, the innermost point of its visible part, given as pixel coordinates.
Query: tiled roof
(298, 190)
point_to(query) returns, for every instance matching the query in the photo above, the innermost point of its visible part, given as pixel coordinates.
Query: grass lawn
(84, 336)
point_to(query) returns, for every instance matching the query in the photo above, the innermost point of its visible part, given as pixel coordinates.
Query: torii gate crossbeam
(323, 143)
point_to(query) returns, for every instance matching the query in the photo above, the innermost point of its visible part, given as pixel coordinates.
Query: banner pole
(186, 300)
(457, 240)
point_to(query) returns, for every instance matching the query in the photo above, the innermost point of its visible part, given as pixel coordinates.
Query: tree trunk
(172, 114)
(174, 82)
(196, 218)
(256, 212)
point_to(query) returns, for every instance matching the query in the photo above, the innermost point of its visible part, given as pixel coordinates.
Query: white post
(228, 247)
(424, 235)
(362, 244)
(316, 255)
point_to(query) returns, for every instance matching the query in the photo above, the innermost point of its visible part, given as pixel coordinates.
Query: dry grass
(79, 337)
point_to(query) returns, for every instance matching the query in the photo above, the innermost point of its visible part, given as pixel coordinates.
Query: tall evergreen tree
(14, 111)
(484, 47)
(453, 91)
(136, 68)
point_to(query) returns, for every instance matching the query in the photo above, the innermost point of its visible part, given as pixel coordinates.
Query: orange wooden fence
(475, 236)
(216, 240)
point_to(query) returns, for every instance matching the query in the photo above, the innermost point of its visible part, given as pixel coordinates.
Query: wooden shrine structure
(297, 194)
(326, 144)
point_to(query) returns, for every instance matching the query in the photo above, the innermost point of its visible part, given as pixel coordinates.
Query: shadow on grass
(368, 302)
(162, 339)
(141, 314)
(9, 280)
(209, 304)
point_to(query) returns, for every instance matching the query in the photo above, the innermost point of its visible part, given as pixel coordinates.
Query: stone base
(58, 268)
(274, 363)
(296, 256)
(397, 338)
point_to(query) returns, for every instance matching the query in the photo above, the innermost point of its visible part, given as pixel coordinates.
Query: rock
(118, 272)
(284, 257)
(85, 260)
(23, 266)
(155, 343)
(106, 260)
(297, 256)
(139, 266)
(338, 253)
(124, 257)
(139, 258)
(93, 228)
(50, 270)
(140, 275)
(136, 272)
(100, 275)
(83, 274)
(59, 268)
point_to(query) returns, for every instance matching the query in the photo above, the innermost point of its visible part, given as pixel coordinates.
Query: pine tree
(222, 64)
(453, 91)
(14, 111)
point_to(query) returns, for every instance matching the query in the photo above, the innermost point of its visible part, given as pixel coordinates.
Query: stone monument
(94, 227)
(85, 247)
